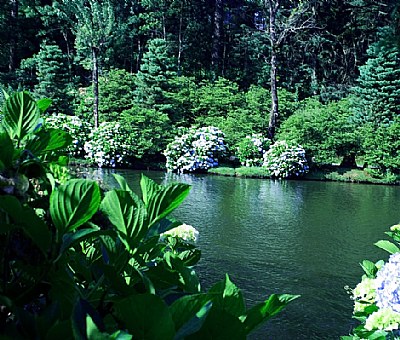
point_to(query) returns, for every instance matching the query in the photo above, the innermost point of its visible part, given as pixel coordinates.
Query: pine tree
(378, 93)
(52, 75)
(153, 79)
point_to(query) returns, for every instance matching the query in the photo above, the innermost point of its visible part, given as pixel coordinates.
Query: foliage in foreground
(81, 263)
(376, 297)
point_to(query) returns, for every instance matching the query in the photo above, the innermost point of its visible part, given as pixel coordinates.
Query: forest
(323, 75)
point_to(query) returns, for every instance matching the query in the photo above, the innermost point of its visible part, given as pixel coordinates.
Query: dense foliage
(245, 67)
(78, 262)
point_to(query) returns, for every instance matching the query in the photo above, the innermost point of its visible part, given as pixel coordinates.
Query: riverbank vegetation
(127, 79)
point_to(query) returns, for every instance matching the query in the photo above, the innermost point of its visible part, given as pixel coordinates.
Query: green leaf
(43, 104)
(369, 268)
(228, 297)
(187, 276)
(49, 140)
(122, 183)
(21, 115)
(127, 213)
(6, 151)
(74, 203)
(145, 316)
(26, 218)
(189, 313)
(266, 310)
(159, 200)
(388, 246)
(71, 238)
(219, 324)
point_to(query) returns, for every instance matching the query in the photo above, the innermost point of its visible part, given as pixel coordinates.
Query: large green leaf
(127, 213)
(159, 200)
(189, 313)
(43, 104)
(265, 310)
(122, 183)
(49, 140)
(145, 316)
(73, 204)
(228, 297)
(6, 151)
(390, 247)
(21, 115)
(27, 219)
(220, 325)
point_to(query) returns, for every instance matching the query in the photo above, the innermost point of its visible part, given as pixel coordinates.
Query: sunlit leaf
(21, 115)
(74, 203)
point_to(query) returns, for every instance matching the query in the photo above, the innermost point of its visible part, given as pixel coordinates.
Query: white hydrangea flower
(185, 231)
(384, 319)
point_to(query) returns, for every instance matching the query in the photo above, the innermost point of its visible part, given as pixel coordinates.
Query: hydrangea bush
(284, 160)
(109, 146)
(251, 149)
(76, 127)
(377, 296)
(196, 149)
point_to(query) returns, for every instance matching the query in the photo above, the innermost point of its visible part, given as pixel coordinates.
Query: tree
(377, 96)
(153, 79)
(53, 77)
(93, 22)
(282, 22)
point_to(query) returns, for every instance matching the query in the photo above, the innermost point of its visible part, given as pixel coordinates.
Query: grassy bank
(332, 174)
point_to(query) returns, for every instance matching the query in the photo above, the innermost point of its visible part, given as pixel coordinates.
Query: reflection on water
(286, 237)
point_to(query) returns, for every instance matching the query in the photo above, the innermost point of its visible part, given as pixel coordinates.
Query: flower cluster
(284, 160)
(186, 232)
(252, 149)
(196, 149)
(77, 128)
(108, 146)
(377, 296)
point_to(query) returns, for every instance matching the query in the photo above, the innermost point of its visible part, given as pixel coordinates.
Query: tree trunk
(13, 32)
(349, 161)
(274, 114)
(95, 83)
(217, 35)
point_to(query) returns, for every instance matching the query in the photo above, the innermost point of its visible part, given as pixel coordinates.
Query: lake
(298, 237)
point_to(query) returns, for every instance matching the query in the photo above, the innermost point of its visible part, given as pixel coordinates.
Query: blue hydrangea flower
(388, 284)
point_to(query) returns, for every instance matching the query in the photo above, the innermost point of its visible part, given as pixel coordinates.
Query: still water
(298, 237)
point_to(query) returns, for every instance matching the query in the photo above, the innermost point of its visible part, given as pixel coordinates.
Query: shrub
(284, 160)
(381, 146)
(251, 150)
(324, 130)
(78, 129)
(196, 149)
(109, 146)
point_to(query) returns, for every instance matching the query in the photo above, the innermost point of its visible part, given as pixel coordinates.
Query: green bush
(381, 146)
(81, 263)
(251, 150)
(325, 131)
